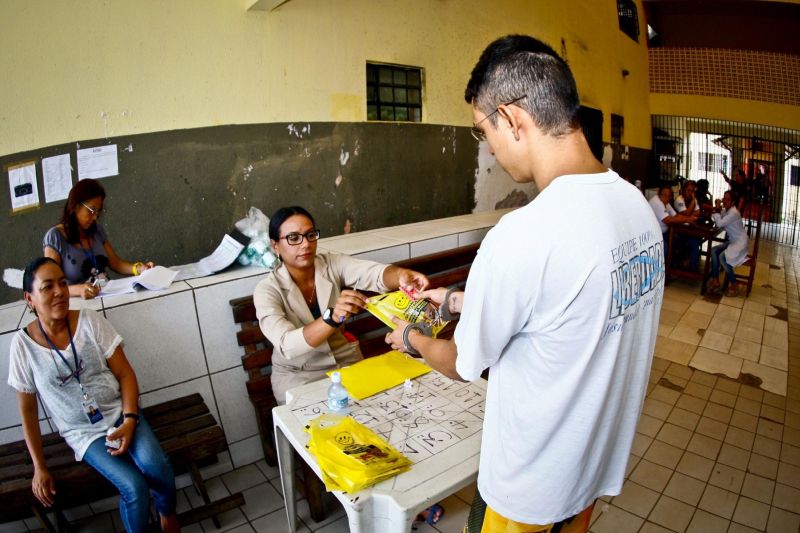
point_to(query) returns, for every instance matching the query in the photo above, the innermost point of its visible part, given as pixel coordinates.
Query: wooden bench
(449, 268)
(186, 430)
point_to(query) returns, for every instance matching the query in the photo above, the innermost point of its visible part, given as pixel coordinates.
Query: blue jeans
(717, 260)
(143, 468)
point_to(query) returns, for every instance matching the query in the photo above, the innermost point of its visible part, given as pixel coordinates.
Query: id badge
(92, 410)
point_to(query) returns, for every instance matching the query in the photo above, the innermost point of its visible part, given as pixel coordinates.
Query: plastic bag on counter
(258, 252)
(350, 455)
(397, 303)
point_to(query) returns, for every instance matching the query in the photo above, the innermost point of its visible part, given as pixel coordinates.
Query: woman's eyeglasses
(296, 238)
(94, 212)
(63, 380)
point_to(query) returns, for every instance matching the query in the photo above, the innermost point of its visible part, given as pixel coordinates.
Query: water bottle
(337, 394)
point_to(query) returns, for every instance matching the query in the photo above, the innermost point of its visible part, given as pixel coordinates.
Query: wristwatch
(327, 317)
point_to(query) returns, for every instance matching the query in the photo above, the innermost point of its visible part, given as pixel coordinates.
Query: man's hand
(43, 486)
(434, 295)
(395, 337)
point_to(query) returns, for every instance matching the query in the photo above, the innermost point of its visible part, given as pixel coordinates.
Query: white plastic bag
(258, 252)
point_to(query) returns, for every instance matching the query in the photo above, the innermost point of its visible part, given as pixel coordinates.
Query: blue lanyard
(89, 253)
(75, 373)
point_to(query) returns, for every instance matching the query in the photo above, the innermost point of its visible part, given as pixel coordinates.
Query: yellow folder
(376, 374)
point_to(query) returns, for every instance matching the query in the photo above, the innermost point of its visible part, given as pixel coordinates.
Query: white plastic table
(438, 425)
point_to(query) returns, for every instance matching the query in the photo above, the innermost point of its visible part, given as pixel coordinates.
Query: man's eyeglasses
(296, 238)
(94, 212)
(479, 133)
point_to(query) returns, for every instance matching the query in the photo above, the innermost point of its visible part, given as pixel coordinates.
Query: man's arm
(440, 354)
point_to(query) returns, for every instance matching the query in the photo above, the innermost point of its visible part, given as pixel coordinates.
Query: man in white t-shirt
(561, 304)
(666, 214)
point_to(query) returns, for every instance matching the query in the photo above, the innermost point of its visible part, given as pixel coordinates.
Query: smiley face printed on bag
(402, 301)
(344, 438)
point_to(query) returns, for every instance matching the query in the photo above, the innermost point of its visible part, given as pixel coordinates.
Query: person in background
(738, 186)
(686, 204)
(661, 204)
(79, 243)
(704, 199)
(731, 253)
(302, 305)
(74, 362)
(561, 304)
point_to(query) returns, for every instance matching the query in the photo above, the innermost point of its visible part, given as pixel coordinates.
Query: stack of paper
(157, 278)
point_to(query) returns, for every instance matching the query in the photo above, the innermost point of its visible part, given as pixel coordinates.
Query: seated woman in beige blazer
(302, 305)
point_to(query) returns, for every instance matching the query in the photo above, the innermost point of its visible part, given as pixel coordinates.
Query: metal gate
(717, 150)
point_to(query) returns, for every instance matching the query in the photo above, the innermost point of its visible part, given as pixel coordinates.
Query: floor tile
(733, 456)
(675, 435)
(686, 334)
(703, 522)
(751, 513)
(767, 447)
(718, 501)
(694, 319)
(656, 408)
(723, 398)
(663, 454)
(651, 475)
(715, 362)
(786, 498)
(774, 357)
(636, 499)
(746, 349)
(758, 488)
(769, 429)
(685, 488)
(683, 418)
(781, 521)
(789, 475)
(698, 390)
(726, 477)
(696, 466)
(616, 520)
(671, 513)
(694, 404)
(772, 379)
(705, 446)
(744, 421)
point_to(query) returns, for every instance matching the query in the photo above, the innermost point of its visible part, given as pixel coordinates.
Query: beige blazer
(282, 313)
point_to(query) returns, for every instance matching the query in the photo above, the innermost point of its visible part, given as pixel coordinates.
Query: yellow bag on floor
(385, 306)
(350, 455)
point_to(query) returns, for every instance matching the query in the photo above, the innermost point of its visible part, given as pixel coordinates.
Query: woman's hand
(43, 486)
(125, 434)
(411, 280)
(89, 291)
(349, 303)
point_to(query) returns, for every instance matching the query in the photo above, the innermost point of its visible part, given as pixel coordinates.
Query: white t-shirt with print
(36, 369)
(661, 211)
(562, 305)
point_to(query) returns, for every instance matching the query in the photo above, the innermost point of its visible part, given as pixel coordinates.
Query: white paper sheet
(225, 254)
(57, 177)
(22, 186)
(157, 278)
(98, 162)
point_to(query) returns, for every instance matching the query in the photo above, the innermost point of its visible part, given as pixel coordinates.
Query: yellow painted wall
(86, 69)
(749, 111)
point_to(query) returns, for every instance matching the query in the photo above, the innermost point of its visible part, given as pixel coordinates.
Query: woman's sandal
(431, 515)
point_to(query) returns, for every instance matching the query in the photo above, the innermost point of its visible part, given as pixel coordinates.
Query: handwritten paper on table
(224, 256)
(157, 278)
(22, 185)
(57, 177)
(98, 162)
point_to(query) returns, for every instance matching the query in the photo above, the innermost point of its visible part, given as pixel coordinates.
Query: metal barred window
(394, 93)
(628, 18)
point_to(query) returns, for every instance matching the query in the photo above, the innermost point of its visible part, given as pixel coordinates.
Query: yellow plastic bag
(385, 306)
(350, 455)
(376, 374)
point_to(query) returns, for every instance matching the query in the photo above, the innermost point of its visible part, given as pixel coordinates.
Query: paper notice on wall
(98, 162)
(57, 177)
(22, 185)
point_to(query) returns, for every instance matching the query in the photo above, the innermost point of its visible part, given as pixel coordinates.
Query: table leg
(286, 469)
(707, 266)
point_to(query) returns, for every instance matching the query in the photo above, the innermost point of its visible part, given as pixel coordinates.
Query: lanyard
(76, 372)
(89, 253)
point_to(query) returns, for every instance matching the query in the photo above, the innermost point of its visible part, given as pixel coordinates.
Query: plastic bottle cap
(336, 377)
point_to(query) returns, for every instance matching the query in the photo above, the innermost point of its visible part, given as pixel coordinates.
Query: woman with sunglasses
(73, 360)
(303, 303)
(80, 244)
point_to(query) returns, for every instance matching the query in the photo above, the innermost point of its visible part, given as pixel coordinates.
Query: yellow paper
(376, 374)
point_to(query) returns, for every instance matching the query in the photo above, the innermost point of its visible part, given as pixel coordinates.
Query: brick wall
(745, 74)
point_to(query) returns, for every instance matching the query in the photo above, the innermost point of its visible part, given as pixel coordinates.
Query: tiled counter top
(182, 340)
